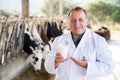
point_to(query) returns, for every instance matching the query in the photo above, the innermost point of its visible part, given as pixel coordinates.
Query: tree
(116, 14)
(66, 7)
(104, 12)
(116, 2)
(3, 13)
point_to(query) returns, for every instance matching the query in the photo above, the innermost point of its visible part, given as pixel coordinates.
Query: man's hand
(83, 63)
(58, 59)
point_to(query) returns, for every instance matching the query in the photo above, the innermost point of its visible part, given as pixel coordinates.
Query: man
(88, 56)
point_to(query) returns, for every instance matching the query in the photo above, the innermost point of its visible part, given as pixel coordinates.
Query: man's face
(78, 22)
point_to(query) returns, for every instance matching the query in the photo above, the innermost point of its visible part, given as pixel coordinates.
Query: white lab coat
(92, 46)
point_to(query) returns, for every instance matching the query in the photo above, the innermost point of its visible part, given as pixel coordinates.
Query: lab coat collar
(69, 40)
(84, 39)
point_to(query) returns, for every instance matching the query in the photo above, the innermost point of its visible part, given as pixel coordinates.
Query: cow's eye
(36, 59)
(33, 57)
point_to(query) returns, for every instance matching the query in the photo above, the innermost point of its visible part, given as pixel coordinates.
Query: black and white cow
(28, 41)
(52, 30)
(35, 48)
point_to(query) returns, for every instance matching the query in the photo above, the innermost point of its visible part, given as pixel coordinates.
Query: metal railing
(12, 37)
(11, 43)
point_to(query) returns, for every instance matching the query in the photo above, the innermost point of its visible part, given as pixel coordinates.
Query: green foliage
(103, 12)
(56, 7)
(115, 2)
(116, 14)
(3, 12)
(45, 8)
(66, 7)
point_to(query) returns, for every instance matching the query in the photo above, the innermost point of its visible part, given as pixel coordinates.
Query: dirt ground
(115, 35)
(30, 74)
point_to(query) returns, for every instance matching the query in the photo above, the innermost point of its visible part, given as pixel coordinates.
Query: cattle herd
(33, 37)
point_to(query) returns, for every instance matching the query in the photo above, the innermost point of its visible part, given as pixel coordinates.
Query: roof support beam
(25, 8)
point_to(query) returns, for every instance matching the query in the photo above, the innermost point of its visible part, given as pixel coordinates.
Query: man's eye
(80, 20)
(73, 20)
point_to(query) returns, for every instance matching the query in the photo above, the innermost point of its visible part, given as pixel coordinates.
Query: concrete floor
(114, 45)
(13, 68)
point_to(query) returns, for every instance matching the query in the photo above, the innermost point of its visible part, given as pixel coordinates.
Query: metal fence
(11, 39)
(12, 35)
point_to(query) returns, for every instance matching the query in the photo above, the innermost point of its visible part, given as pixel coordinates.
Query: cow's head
(36, 59)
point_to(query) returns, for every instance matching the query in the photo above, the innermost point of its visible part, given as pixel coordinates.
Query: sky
(10, 5)
(16, 6)
(35, 5)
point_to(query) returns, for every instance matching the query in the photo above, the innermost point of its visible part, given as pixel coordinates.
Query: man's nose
(77, 23)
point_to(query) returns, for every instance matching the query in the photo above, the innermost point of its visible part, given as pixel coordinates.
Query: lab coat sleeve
(49, 64)
(49, 61)
(104, 64)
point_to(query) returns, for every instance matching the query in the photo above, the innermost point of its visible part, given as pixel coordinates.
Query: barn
(27, 34)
